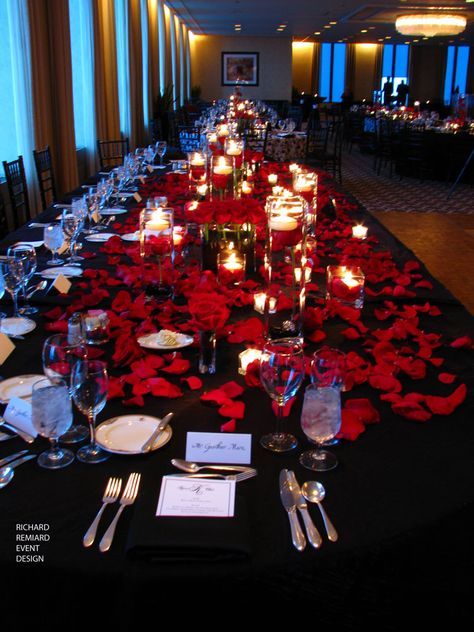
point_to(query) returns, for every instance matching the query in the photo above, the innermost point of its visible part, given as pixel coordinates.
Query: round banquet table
(401, 500)
(286, 147)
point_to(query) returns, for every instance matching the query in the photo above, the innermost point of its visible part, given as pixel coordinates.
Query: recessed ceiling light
(380, 39)
(332, 22)
(388, 37)
(364, 31)
(327, 26)
(371, 28)
(407, 42)
(317, 32)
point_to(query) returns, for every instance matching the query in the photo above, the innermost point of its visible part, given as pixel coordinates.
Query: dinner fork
(241, 476)
(111, 494)
(128, 498)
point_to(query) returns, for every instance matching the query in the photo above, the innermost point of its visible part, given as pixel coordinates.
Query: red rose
(209, 311)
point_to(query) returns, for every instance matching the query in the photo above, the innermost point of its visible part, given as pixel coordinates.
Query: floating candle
(197, 160)
(247, 357)
(246, 188)
(283, 222)
(158, 222)
(233, 149)
(222, 168)
(359, 231)
(272, 178)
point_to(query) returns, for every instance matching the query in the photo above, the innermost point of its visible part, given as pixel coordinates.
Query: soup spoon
(7, 472)
(314, 492)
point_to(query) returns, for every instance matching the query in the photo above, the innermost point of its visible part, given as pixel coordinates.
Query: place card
(196, 497)
(6, 347)
(64, 247)
(18, 414)
(61, 284)
(214, 447)
(137, 197)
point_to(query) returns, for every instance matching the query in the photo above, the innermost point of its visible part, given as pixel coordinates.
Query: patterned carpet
(380, 193)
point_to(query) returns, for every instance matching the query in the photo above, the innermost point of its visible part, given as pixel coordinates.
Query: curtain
(350, 67)
(19, 30)
(377, 78)
(106, 84)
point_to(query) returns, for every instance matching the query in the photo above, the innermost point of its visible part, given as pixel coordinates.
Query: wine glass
(53, 240)
(27, 254)
(2, 288)
(51, 416)
(281, 373)
(161, 147)
(320, 421)
(59, 355)
(89, 384)
(13, 273)
(71, 225)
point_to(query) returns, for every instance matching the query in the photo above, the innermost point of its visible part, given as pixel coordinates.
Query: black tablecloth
(401, 499)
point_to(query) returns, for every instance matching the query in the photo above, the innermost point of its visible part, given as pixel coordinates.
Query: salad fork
(128, 498)
(241, 476)
(111, 494)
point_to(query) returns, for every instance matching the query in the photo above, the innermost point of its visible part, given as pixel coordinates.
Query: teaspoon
(314, 492)
(6, 475)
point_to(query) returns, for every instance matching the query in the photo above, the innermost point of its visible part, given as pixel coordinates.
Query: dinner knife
(12, 457)
(313, 534)
(23, 459)
(288, 501)
(21, 433)
(147, 446)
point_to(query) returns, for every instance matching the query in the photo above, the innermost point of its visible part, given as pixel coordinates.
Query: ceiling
(335, 20)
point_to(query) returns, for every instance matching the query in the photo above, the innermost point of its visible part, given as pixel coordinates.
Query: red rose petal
(193, 382)
(446, 405)
(446, 378)
(177, 367)
(364, 410)
(385, 383)
(229, 426)
(232, 389)
(351, 426)
(232, 409)
(134, 401)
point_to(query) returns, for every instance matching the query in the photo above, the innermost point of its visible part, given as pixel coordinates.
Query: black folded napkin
(171, 539)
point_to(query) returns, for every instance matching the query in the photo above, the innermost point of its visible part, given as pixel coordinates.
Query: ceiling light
(317, 32)
(332, 22)
(327, 26)
(364, 31)
(430, 24)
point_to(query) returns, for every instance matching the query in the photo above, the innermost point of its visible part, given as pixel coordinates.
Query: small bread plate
(156, 341)
(113, 211)
(131, 236)
(35, 244)
(67, 271)
(100, 237)
(20, 386)
(127, 434)
(16, 326)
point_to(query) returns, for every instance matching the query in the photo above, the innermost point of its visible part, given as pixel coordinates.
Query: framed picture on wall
(240, 69)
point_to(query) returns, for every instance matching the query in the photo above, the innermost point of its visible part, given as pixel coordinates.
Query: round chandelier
(430, 24)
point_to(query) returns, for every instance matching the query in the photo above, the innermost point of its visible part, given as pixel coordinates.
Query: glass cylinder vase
(207, 352)
(157, 251)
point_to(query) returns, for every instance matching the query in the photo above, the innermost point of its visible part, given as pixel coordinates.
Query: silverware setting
(111, 494)
(4, 436)
(193, 468)
(294, 500)
(241, 476)
(128, 498)
(7, 472)
(12, 457)
(21, 433)
(147, 446)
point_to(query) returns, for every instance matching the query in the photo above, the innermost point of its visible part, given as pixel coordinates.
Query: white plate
(100, 236)
(131, 237)
(67, 271)
(113, 211)
(127, 434)
(16, 326)
(150, 341)
(19, 386)
(35, 244)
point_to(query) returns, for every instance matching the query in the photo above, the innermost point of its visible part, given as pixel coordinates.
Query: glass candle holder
(346, 285)
(197, 162)
(230, 267)
(359, 231)
(247, 357)
(234, 147)
(222, 177)
(157, 251)
(95, 324)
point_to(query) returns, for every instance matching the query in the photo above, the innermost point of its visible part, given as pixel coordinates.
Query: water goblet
(71, 225)
(320, 421)
(89, 384)
(14, 274)
(2, 288)
(59, 356)
(27, 254)
(161, 147)
(51, 416)
(53, 240)
(281, 373)
(328, 367)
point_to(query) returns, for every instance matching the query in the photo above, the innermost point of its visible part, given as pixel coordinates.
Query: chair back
(317, 141)
(189, 138)
(3, 219)
(256, 139)
(17, 191)
(112, 152)
(295, 113)
(45, 173)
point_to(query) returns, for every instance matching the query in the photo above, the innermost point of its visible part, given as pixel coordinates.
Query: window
(123, 65)
(332, 71)
(395, 65)
(457, 61)
(82, 59)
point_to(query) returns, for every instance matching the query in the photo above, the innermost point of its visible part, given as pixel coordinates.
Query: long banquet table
(401, 498)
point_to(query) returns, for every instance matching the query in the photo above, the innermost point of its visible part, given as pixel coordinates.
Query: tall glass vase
(285, 266)
(207, 352)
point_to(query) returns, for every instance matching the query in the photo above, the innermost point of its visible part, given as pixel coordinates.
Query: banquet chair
(112, 152)
(17, 191)
(332, 158)
(316, 144)
(45, 173)
(156, 130)
(3, 219)
(295, 113)
(256, 139)
(189, 138)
